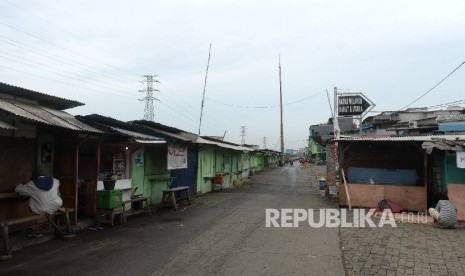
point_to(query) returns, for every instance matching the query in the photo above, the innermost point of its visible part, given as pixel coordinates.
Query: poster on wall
(46, 153)
(139, 160)
(461, 159)
(177, 157)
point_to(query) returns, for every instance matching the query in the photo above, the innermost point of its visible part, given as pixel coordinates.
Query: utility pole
(148, 111)
(281, 105)
(243, 134)
(264, 142)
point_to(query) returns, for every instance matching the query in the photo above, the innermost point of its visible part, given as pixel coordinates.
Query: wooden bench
(108, 215)
(135, 211)
(174, 194)
(52, 219)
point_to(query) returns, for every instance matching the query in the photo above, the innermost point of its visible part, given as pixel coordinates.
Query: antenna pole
(204, 87)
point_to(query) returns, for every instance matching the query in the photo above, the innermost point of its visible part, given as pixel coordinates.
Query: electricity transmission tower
(148, 111)
(243, 134)
(264, 142)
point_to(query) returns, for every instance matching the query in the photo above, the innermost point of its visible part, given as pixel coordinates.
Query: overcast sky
(96, 52)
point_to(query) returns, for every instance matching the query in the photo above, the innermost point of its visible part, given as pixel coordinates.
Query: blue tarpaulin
(382, 176)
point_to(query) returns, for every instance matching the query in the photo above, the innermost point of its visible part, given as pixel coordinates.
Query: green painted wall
(260, 162)
(138, 172)
(235, 175)
(206, 169)
(252, 163)
(152, 177)
(227, 168)
(450, 172)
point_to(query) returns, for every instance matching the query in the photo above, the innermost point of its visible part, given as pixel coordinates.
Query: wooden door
(66, 172)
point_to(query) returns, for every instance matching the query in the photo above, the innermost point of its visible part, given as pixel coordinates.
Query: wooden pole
(281, 108)
(346, 188)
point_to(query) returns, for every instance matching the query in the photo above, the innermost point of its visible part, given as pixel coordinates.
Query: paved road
(408, 249)
(221, 234)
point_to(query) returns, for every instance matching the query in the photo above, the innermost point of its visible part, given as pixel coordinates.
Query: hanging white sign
(177, 157)
(461, 159)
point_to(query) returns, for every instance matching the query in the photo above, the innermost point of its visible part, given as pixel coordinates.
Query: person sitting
(44, 193)
(445, 213)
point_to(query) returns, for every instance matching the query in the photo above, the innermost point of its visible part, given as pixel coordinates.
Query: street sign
(353, 105)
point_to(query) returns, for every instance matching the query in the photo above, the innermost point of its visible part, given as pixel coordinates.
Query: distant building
(413, 121)
(290, 151)
(320, 134)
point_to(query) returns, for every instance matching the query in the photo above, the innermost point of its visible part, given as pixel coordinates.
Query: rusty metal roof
(41, 98)
(44, 115)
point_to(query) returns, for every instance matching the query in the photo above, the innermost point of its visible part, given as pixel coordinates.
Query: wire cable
(265, 106)
(56, 45)
(431, 89)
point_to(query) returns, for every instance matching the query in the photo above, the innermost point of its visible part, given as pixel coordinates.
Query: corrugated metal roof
(187, 136)
(41, 98)
(167, 131)
(137, 135)
(201, 140)
(4, 125)
(423, 138)
(150, 141)
(111, 125)
(451, 117)
(44, 115)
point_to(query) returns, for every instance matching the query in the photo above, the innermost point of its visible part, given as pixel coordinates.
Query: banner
(177, 157)
(461, 159)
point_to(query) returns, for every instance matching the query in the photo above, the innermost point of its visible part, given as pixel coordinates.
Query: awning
(443, 145)
(453, 142)
(44, 115)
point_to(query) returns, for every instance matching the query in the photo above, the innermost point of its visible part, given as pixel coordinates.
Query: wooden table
(174, 194)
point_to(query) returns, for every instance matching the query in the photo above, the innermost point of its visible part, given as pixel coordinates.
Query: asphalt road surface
(222, 233)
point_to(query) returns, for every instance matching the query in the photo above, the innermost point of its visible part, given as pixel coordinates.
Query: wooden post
(346, 188)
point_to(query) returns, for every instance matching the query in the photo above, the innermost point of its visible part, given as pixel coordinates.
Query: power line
(453, 71)
(61, 29)
(264, 106)
(448, 104)
(55, 45)
(185, 107)
(45, 68)
(57, 58)
(56, 80)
